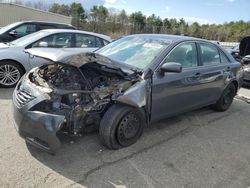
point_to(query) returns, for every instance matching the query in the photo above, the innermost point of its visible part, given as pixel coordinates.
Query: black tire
(226, 99)
(19, 72)
(121, 126)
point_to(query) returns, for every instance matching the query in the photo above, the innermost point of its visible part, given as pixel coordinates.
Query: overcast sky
(203, 11)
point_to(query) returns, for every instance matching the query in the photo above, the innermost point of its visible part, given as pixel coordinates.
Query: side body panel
(193, 88)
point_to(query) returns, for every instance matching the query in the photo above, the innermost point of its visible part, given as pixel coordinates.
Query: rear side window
(85, 41)
(223, 58)
(185, 54)
(101, 42)
(209, 54)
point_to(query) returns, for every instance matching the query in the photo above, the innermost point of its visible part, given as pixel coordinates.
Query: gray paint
(166, 95)
(136, 95)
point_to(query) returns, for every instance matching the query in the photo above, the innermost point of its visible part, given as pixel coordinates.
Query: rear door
(178, 92)
(214, 71)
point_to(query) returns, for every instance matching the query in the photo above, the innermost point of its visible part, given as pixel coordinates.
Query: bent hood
(245, 46)
(75, 58)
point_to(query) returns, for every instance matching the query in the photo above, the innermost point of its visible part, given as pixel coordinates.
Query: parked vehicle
(235, 52)
(15, 61)
(121, 88)
(20, 29)
(244, 53)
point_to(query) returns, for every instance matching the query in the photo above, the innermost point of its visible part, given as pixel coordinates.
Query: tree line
(102, 20)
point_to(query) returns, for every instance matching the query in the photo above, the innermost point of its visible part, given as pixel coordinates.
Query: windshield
(29, 38)
(138, 51)
(8, 27)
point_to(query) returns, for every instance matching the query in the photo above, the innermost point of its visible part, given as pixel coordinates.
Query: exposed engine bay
(82, 94)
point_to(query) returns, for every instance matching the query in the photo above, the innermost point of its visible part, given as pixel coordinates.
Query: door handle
(197, 75)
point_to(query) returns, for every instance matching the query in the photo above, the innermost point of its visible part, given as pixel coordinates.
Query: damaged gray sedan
(121, 88)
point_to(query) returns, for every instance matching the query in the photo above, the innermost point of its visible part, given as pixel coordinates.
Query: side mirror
(13, 32)
(43, 44)
(171, 67)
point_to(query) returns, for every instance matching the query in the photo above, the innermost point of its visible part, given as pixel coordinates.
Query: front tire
(10, 73)
(226, 99)
(121, 126)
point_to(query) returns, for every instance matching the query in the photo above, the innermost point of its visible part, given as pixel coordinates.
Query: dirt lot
(202, 148)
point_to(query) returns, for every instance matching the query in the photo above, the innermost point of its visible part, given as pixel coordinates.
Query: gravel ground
(201, 148)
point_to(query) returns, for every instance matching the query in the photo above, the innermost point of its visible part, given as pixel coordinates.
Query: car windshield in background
(27, 39)
(136, 51)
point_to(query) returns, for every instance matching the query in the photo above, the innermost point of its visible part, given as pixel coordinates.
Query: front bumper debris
(37, 128)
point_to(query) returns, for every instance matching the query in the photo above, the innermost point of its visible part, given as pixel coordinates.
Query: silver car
(15, 61)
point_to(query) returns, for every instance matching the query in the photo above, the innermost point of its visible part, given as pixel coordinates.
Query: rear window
(209, 54)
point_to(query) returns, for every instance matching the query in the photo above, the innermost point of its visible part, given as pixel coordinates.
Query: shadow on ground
(86, 156)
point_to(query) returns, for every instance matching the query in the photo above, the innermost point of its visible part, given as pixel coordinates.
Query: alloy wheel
(9, 75)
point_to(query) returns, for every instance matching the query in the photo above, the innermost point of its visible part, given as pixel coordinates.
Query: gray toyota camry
(122, 88)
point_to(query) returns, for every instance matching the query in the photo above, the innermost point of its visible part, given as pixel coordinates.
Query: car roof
(108, 38)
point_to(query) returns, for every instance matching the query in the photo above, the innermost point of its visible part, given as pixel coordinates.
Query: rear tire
(226, 99)
(10, 73)
(121, 126)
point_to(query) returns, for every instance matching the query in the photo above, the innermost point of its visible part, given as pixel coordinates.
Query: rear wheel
(121, 126)
(226, 98)
(10, 73)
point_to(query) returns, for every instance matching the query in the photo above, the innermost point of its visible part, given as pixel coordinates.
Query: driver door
(174, 93)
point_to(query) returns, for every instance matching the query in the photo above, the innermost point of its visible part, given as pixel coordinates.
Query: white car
(15, 59)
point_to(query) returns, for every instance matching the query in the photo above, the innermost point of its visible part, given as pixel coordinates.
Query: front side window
(185, 54)
(85, 41)
(60, 40)
(209, 54)
(25, 29)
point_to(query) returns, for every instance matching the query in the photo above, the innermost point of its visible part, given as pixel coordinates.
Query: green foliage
(101, 20)
(99, 13)
(75, 10)
(137, 18)
(60, 9)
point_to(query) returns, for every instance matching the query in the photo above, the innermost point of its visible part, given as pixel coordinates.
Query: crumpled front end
(63, 99)
(36, 127)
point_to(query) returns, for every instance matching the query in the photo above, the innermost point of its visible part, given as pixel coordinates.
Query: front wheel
(226, 98)
(121, 126)
(10, 73)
